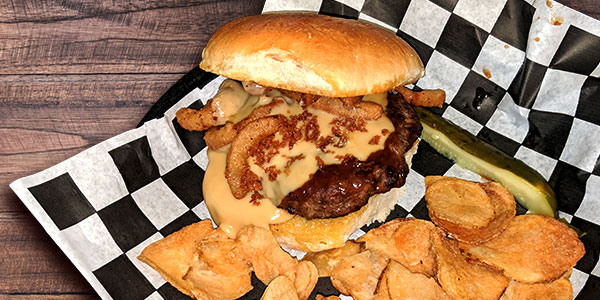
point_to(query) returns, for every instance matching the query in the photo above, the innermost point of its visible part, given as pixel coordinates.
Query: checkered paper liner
(540, 102)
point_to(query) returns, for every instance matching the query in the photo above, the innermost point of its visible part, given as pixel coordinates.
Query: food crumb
(374, 140)
(255, 198)
(537, 39)
(487, 73)
(506, 46)
(320, 162)
(556, 20)
(549, 3)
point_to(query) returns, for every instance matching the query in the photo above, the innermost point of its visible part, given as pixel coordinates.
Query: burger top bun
(312, 53)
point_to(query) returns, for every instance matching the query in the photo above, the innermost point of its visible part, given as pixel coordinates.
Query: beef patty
(337, 190)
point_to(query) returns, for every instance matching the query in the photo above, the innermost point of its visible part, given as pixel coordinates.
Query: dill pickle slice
(527, 185)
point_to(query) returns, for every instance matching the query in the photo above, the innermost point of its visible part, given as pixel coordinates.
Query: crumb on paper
(549, 3)
(506, 46)
(556, 20)
(537, 39)
(487, 73)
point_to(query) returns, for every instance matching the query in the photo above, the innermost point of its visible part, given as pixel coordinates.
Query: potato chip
(533, 248)
(304, 276)
(321, 297)
(326, 260)
(559, 289)
(431, 179)
(280, 288)
(218, 263)
(220, 251)
(461, 279)
(259, 247)
(455, 203)
(405, 241)
(471, 212)
(504, 208)
(357, 275)
(399, 283)
(172, 256)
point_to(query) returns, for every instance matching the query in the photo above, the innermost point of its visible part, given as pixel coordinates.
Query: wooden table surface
(75, 73)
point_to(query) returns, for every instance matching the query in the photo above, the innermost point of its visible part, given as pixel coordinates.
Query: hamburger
(308, 135)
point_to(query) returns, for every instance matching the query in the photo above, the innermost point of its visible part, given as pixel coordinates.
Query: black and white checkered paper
(540, 103)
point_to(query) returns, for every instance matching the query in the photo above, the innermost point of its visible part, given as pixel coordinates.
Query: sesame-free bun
(322, 234)
(313, 54)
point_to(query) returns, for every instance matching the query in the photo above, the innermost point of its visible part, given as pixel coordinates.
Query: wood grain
(72, 74)
(36, 267)
(97, 37)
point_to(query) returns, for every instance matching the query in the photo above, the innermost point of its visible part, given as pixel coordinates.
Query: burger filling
(339, 189)
(275, 153)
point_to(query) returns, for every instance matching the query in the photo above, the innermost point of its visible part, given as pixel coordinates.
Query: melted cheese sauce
(301, 170)
(233, 214)
(229, 213)
(230, 98)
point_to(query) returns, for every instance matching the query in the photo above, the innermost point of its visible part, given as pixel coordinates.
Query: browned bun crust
(322, 234)
(312, 54)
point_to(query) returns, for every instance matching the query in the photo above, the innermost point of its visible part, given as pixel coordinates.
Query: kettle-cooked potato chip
(172, 256)
(280, 288)
(304, 276)
(218, 263)
(401, 259)
(326, 260)
(533, 248)
(456, 202)
(471, 212)
(399, 283)
(321, 297)
(559, 289)
(504, 208)
(357, 275)
(405, 241)
(259, 247)
(461, 279)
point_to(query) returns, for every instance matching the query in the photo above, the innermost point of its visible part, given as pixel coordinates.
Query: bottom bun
(321, 234)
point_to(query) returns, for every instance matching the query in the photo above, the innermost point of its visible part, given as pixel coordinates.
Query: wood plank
(94, 37)
(47, 11)
(44, 296)
(24, 165)
(31, 261)
(148, 44)
(47, 119)
(91, 91)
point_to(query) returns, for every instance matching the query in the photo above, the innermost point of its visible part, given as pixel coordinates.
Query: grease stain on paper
(556, 20)
(487, 73)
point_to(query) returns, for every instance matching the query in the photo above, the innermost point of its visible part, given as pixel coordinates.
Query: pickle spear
(527, 185)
